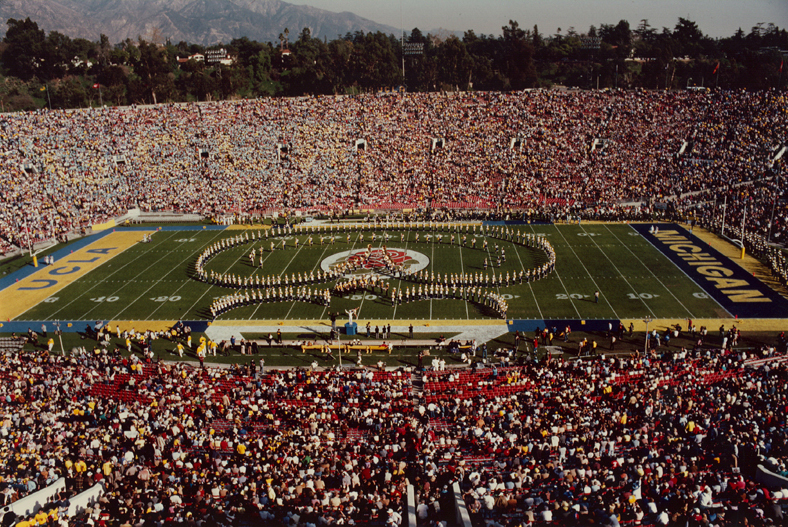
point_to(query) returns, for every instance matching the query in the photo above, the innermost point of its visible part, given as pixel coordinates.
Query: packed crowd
(667, 439)
(588, 154)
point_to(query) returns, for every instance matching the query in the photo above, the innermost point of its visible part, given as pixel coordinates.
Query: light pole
(60, 337)
(724, 207)
(647, 320)
(771, 222)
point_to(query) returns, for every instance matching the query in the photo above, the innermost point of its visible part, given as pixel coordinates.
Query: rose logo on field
(411, 261)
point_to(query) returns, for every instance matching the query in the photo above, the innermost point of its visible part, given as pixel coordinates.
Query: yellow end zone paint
(236, 227)
(42, 284)
(416, 323)
(141, 325)
(712, 324)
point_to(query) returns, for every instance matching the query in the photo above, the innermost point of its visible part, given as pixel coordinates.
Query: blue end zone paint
(80, 326)
(60, 253)
(20, 327)
(529, 326)
(174, 228)
(735, 289)
(516, 222)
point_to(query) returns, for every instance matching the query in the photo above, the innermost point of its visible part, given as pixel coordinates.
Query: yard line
(323, 314)
(99, 282)
(685, 274)
(620, 274)
(557, 275)
(364, 294)
(432, 263)
(650, 271)
(399, 285)
(462, 272)
(285, 269)
(210, 286)
(313, 269)
(490, 256)
(522, 266)
(155, 283)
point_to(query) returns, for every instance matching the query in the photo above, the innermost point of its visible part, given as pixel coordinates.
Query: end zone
(737, 291)
(41, 284)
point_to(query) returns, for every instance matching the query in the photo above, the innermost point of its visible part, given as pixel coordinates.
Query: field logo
(411, 261)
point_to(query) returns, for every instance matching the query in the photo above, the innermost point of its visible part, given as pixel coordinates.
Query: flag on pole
(95, 86)
(43, 88)
(717, 67)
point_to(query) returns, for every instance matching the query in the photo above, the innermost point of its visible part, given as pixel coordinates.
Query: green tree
(517, 58)
(24, 50)
(153, 70)
(455, 63)
(69, 92)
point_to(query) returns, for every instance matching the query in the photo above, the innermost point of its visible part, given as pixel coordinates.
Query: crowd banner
(97, 227)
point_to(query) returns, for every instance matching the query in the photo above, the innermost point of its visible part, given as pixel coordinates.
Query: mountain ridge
(204, 22)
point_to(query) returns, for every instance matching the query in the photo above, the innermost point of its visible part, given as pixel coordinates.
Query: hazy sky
(716, 18)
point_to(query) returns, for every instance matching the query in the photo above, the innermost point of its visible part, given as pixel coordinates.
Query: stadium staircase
(417, 386)
(10, 344)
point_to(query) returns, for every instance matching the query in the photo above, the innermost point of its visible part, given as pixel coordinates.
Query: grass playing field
(155, 281)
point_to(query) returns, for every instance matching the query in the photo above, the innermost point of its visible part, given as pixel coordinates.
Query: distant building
(197, 57)
(212, 56)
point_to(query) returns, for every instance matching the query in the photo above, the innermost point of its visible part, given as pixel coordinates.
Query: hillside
(203, 22)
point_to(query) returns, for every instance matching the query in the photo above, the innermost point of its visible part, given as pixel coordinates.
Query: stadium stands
(660, 440)
(78, 181)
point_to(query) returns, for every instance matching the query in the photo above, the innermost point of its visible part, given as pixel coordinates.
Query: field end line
(620, 274)
(652, 272)
(596, 286)
(558, 275)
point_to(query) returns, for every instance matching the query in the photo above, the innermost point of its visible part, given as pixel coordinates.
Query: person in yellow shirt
(40, 517)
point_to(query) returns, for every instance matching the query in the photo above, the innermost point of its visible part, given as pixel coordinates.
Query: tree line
(52, 70)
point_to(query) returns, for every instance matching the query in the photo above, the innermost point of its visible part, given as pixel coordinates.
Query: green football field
(156, 280)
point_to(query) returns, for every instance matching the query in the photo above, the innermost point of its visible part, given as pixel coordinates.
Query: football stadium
(466, 309)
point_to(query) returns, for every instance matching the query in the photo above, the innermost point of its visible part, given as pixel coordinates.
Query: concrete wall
(770, 479)
(410, 508)
(463, 517)
(85, 499)
(31, 503)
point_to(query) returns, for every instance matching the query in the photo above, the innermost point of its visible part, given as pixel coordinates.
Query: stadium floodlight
(647, 320)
